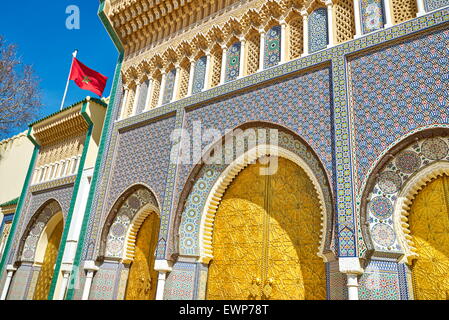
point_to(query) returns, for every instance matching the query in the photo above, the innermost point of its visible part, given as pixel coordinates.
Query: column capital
(283, 23)
(11, 268)
(163, 266)
(90, 266)
(66, 269)
(304, 14)
(177, 66)
(350, 266)
(328, 3)
(192, 59)
(262, 31)
(224, 46)
(242, 39)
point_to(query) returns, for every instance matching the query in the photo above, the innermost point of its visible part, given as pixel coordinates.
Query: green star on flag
(86, 79)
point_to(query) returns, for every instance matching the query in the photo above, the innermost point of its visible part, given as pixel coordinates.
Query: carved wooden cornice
(61, 126)
(221, 28)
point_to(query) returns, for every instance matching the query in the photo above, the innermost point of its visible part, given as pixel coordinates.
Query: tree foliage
(20, 98)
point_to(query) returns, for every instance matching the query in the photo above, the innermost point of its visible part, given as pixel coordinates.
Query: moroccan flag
(87, 79)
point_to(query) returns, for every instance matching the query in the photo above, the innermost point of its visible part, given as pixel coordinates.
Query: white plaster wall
(15, 156)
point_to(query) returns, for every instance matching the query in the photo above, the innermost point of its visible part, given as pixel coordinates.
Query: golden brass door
(142, 279)
(266, 238)
(48, 267)
(429, 226)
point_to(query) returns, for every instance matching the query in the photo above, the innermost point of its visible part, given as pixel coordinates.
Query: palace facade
(169, 192)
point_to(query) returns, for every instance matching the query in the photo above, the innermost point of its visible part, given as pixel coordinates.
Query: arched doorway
(429, 227)
(142, 280)
(52, 234)
(267, 236)
(130, 236)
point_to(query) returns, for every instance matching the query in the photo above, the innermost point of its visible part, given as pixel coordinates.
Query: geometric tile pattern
(34, 202)
(343, 161)
(180, 283)
(104, 282)
(396, 90)
(392, 176)
(431, 5)
(233, 62)
(20, 283)
(143, 92)
(380, 281)
(169, 86)
(189, 237)
(143, 157)
(372, 15)
(168, 199)
(337, 288)
(125, 216)
(272, 47)
(301, 103)
(35, 232)
(199, 75)
(318, 32)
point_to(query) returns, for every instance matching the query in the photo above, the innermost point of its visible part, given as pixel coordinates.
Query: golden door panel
(266, 238)
(297, 272)
(47, 271)
(429, 226)
(238, 238)
(142, 280)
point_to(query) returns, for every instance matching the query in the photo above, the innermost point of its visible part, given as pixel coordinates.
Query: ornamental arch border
(405, 199)
(47, 232)
(407, 185)
(148, 203)
(295, 150)
(31, 238)
(226, 178)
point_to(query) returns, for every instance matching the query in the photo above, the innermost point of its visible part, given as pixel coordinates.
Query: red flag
(87, 79)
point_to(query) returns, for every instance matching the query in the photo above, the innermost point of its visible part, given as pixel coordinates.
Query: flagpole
(68, 80)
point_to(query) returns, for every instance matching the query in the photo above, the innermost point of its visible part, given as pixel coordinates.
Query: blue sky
(39, 30)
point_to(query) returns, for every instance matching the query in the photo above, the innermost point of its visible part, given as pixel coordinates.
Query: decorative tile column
(10, 273)
(176, 86)
(90, 268)
(351, 267)
(388, 15)
(149, 95)
(66, 271)
(208, 70)
(191, 75)
(305, 32)
(223, 64)
(162, 266)
(357, 19)
(421, 8)
(242, 57)
(123, 107)
(136, 99)
(283, 41)
(162, 89)
(262, 49)
(330, 22)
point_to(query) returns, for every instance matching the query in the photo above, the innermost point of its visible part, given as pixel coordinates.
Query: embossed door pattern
(48, 267)
(266, 238)
(429, 226)
(142, 279)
